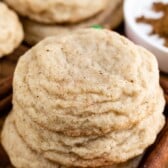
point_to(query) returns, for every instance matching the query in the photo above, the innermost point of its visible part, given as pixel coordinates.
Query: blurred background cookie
(58, 11)
(44, 19)
(110, 18)
(11, 30)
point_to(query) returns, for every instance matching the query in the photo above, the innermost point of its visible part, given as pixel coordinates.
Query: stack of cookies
(53, 17)
(11, 30)
(88, 99)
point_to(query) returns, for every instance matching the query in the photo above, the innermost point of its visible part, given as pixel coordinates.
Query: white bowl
(139, 33)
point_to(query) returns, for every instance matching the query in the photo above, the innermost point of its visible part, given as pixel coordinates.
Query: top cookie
(58, 11)
(89, 82)
(11, 30)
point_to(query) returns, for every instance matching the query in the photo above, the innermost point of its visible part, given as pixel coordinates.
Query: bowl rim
(128, 3)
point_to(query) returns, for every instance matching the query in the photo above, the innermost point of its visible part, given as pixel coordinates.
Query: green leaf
(96, 26)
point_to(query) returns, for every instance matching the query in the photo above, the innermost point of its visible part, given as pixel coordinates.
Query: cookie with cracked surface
(86, 101)
(114, 147)
(23, 156)
(20, 154)
(94, 82)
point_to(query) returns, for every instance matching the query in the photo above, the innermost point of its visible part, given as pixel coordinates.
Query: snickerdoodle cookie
(90, 79)
(110, 18)
(23, 156)
(11, 30)
(58, 11)
(84, 100)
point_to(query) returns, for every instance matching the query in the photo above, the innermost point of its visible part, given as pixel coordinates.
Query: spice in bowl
(159, 25)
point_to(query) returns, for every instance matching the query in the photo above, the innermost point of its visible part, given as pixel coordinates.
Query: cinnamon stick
(157, 154)
(4, 159)
(164, 84)
(5, 87)
(166, 98)
(5, 103)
